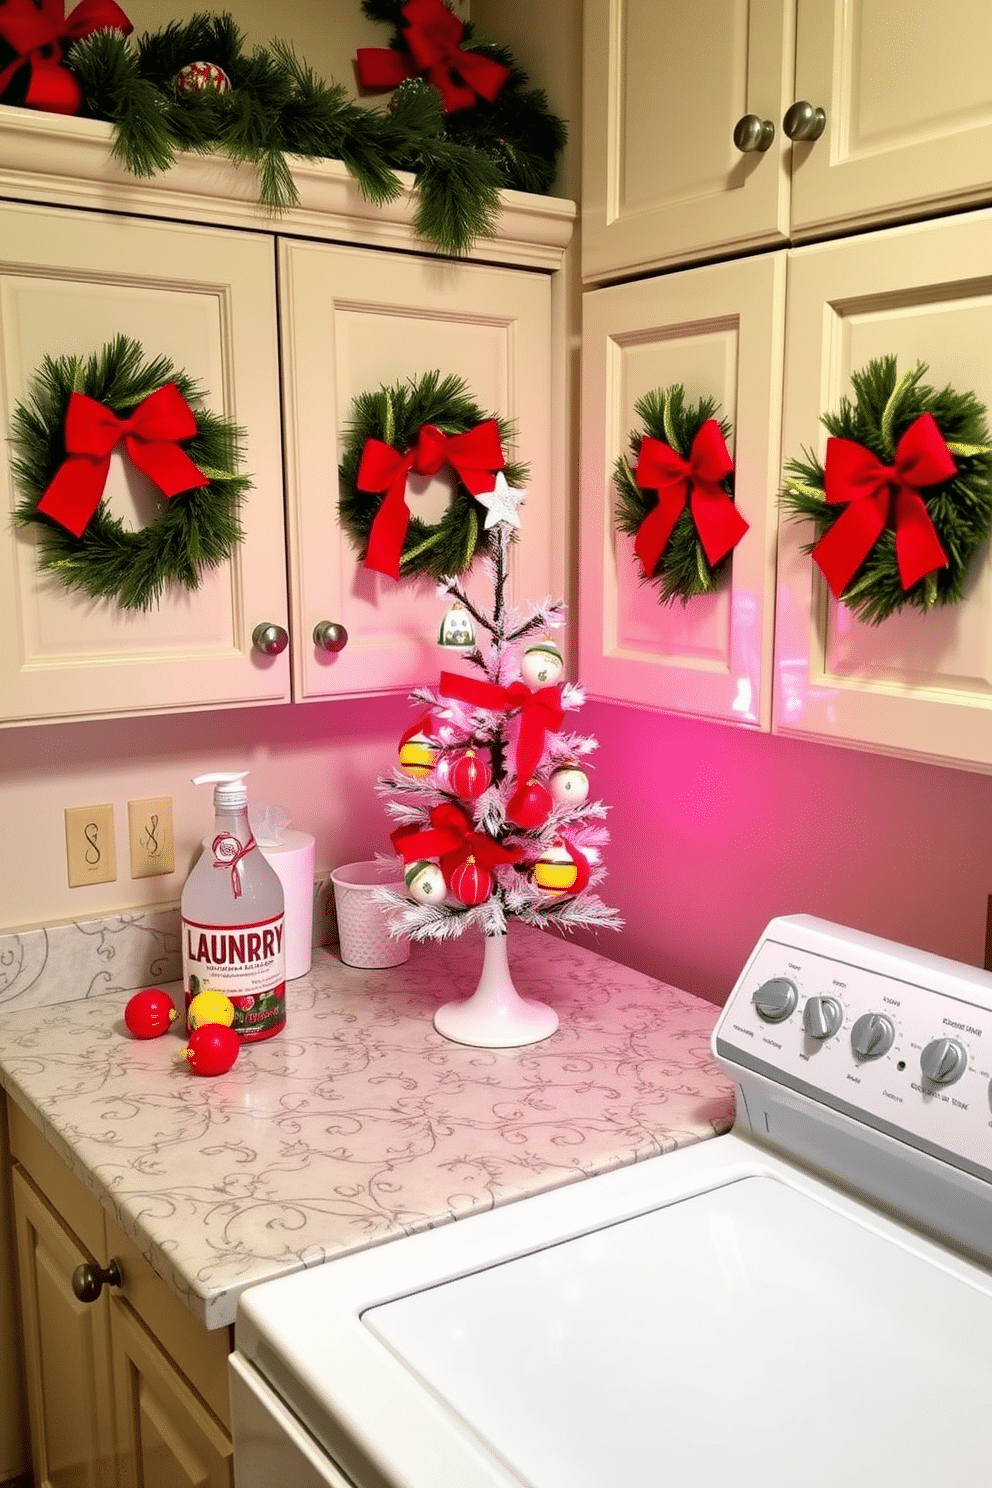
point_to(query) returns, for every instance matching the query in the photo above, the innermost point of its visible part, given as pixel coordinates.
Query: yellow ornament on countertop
(209, 1007)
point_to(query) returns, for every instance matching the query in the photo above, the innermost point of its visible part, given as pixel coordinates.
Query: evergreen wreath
(197, 528)
(277, 106)
(680, 464)
(395, 416)
(924, 468)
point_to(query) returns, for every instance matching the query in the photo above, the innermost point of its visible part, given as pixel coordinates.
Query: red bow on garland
(150, 436)
(661, 468)
(878, 494)
(451, 838)
(540, 712)
(433, 36)
(40, 40)
(475, 456)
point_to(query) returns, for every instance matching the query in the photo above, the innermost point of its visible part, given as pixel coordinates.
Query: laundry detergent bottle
(232, 918)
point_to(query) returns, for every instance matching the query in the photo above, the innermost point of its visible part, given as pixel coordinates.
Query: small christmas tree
(491, 797)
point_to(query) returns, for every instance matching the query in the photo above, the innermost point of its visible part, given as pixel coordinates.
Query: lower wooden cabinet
(128, 1391)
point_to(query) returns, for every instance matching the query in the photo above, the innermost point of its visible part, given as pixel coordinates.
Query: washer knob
(822, 1017)
(943, 1061)
(872, 1035)
(775, 999)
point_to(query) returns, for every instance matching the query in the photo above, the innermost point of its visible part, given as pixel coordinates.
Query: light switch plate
(149, 824)
(90, 851)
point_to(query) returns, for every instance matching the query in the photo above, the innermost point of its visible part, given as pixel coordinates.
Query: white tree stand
(496, 1016)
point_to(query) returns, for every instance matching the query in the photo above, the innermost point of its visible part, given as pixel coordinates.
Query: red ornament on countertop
(212, 1049)
(149, 1013)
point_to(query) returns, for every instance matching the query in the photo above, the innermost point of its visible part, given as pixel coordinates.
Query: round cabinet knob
(270, 639)
(89, 1281)
(752, 133)
(943, 1061)
(822, 1017)
(872, 1036)
(775, 999)
(329, 636)
(804, 122)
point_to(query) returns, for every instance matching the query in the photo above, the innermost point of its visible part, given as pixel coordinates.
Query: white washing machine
(806, 1301)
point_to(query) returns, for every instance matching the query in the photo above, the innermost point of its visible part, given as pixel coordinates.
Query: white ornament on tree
(542, 664)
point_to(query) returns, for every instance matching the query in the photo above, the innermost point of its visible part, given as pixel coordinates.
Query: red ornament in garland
(470, 882)
(202, 77)
(149, 1013)
(530, 805)
(38, 38)
(469, 776)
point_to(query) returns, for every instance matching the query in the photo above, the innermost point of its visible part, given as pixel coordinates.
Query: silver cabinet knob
(804, 122)
(270, 639)
(329, 636)
(89, 1281)
(752, 133)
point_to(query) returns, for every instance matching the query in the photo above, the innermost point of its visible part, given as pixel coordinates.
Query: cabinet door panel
(67, 1353)
(353, 321)
(69, 283)
(168, 1438)
(908, 94)
(917, 684)
(663, 89)
(718, 331)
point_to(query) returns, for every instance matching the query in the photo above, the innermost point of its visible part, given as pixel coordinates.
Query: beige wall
(319, 761)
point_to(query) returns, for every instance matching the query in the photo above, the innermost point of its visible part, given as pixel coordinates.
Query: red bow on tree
(661, 468)
(40, 40)
(475, 456)
(451, 838)
(878, 495)
(540, 712)
(433, 36)
(150, 436)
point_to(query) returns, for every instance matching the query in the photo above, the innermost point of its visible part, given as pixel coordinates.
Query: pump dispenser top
(230, 792)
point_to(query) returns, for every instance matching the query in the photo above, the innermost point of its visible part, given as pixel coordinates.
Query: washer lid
(750, 1334)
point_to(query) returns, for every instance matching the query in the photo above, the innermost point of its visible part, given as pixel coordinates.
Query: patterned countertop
(359, 1123)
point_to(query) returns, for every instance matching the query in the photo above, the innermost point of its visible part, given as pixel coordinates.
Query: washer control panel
(896, 1038)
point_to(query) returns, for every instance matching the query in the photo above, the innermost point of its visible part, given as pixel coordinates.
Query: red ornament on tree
(212, 1049)
(470, 882)
(149, 1013)
(469, 776)
(530, 805)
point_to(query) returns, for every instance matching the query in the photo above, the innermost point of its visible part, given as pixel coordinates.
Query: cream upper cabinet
(915, 684)
(688, 112)
(355, 321)
(229, 307)
(718, 331)
(70, 282)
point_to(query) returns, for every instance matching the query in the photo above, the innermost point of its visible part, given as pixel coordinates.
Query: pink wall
(716, 830)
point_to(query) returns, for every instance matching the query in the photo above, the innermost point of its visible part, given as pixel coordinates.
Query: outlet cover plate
(150, 836)
(90, 850)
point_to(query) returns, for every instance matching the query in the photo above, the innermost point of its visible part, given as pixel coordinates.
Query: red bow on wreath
(40, 40)
(433, 36)
(877, 495)
(541, 712)
(451, 838)
(150, 436)
(475, 456)
(661, 468)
